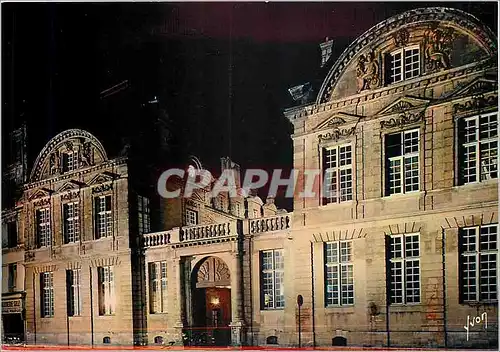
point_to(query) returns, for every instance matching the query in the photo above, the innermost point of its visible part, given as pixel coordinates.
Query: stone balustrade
(209, 231)
(270, 223)
(177, 235)
(156, 239)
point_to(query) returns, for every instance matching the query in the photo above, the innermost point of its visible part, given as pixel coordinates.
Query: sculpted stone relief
(401, 37)
(367, 72)
(437, 47)
(85, 153)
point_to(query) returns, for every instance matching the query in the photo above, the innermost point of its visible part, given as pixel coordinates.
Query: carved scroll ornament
(402, 120)
(337, 134)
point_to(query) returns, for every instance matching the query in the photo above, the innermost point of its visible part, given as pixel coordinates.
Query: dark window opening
(106, 339)
(339, 341)
(272, 340)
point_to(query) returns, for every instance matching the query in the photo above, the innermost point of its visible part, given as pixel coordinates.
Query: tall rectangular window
(404, 258)
(74, 299)
(47, 294)
(404, 64)
(143, 214)
(478, 139)
(158, 287)
(71, 222)
(12, 277)
(9, 234)
(191, 217)
(272, 279)
(478, 263)
(103, 217)
(107, 297)
(44, 235)
(402, 162)
(339, 278)
(337, 169)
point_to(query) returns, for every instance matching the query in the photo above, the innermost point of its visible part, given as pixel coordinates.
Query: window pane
(411, 246)
(489, 167)
(488, 274)
(332, 285)
(347, 282)
(396, 247)
(468, 240)
(395, 176)
(411, 174)
(412, 281)
(469, 163)
(412, 63)
(488, 126)
(345, 252)
(397, 282)
(488, 240)
(331, 252)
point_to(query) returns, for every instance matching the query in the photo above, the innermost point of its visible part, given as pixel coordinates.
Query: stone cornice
(454, 16)
(76, 174)
(427, 81)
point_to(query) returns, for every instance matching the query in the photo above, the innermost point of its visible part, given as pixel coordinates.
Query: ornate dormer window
(70, 161)
(404, 64)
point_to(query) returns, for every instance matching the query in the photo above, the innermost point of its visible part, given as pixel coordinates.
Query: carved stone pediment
(40, 193)
(476, 103)
(477, 86)
(403, 104)
(337, 119)
(101, 178)
(71, 185)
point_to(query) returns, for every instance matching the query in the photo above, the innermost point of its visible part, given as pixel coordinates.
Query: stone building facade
(397, 247)
(405, 244)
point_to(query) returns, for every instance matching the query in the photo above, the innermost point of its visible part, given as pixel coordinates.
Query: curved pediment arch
(362, 65)
(87, 150)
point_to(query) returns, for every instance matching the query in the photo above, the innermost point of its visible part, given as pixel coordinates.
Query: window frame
(345, 266)
(476, 254)
(107, 296)
(277, 277)
(402, 158)
(404, 73)
(325, 199)
(43, 227)
(477, 143)
(403, 260)
(187, 218)
(74, 295)
(70, 161)
(143, 215)
(103, 217)
(158, 287)
(73, 220)
(47, 294)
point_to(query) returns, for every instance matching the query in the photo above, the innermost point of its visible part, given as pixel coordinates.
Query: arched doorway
(211, 302)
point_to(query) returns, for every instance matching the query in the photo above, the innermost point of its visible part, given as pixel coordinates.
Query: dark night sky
(57, 58)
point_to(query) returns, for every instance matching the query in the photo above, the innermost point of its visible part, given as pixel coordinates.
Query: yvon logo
(473, 321)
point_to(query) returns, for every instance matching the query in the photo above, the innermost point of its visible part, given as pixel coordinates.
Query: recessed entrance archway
(211, 302)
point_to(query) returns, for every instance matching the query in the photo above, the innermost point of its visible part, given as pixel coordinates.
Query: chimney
(227, 163)
(326, 50)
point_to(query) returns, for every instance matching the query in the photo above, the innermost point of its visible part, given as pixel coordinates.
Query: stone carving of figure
(86, 156)
(54, 163)
(367, 72)
(437, 46)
